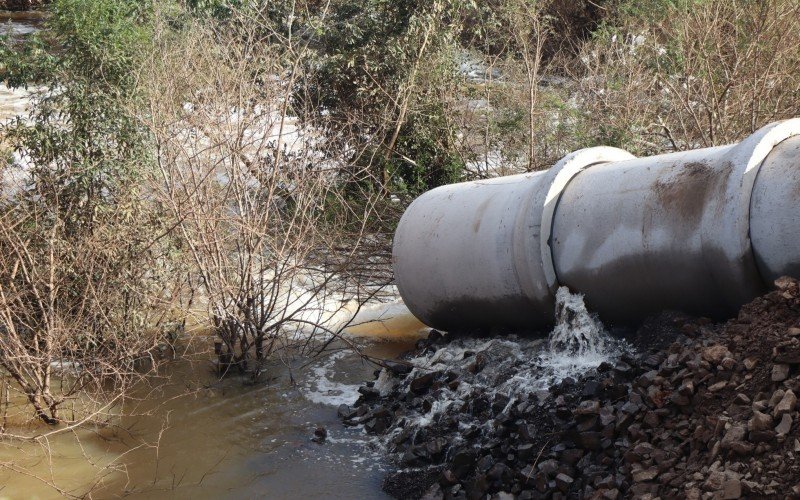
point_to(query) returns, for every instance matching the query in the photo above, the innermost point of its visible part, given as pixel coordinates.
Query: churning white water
(512, 368)
(577, 343)
(514, 365)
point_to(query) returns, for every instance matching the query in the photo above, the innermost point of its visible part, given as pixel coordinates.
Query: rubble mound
(694, 409)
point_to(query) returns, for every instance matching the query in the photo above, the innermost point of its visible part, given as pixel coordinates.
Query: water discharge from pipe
(578, 341)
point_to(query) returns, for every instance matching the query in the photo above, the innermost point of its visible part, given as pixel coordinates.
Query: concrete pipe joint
(701, 231)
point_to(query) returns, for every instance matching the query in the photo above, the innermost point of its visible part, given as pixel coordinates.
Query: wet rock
(398, 369)
(591, 389)
(369, 393)
(320, 434)
(435, 447)
(376, 426)
(345, 411)
(463, 462)
(422, 383)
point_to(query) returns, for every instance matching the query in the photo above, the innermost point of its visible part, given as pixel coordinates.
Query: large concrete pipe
(702, 231)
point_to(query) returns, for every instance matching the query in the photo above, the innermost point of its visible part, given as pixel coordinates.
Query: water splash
(577, 332)
(577, 343)
(517, 365)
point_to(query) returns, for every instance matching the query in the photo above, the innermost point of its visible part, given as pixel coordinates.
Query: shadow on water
(200, 437)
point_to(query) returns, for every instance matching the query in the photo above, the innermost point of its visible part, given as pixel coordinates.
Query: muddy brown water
(196, 436)
(200, 437)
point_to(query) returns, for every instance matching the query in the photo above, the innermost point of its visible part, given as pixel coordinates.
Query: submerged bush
(86, 260)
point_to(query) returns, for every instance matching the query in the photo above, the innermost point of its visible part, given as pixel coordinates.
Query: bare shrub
(260, 199)
(86, 261)
(80, 308)
(692, 74)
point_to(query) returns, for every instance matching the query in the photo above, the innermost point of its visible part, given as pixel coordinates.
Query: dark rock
(589, 440)
(345, 411)
(764, 436)
(320, 434)
(369, 393)
(588, 408)
(422, 383)
(397, 368)
(463, 462)
(591, 389)
(564, 482)
(376, 426)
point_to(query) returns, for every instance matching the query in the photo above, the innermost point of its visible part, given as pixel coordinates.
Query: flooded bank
(19, 24)
(194, 435)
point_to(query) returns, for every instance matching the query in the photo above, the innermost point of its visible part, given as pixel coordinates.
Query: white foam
(517, 367)
(319, 386)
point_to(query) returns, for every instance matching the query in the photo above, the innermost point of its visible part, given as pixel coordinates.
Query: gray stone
(734, 434)
(776, 398)
(718, 386)
(716, 353)
(785, 425)
(732, 488)
(780, 372)
(643, 475)
(786, 404)
(563, 482)
(759, 422)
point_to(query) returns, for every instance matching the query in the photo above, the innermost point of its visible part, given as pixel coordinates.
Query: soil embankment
(694, 410)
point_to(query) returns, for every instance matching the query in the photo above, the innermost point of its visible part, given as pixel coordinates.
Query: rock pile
(699, 410)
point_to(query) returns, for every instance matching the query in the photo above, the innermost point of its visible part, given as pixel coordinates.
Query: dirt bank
(695, 410)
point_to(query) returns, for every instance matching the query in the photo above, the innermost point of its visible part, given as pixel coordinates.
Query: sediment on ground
(692, 409)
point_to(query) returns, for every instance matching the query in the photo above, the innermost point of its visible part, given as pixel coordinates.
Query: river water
(201, 437)
(192, 434)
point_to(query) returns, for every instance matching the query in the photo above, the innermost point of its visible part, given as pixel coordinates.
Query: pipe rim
(733, 238)
(559, 176)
